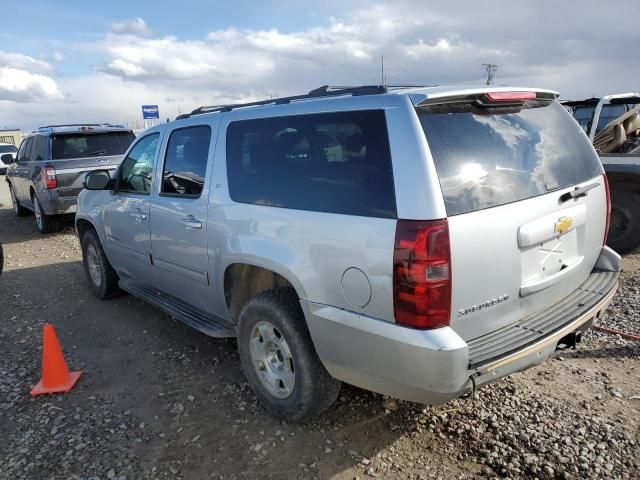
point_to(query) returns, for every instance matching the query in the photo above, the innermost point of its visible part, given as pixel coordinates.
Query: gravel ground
(159, 400)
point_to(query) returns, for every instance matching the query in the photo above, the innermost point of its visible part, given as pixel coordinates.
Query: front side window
(136, 171)
(20, 156)
(186, 161)
(329, 162)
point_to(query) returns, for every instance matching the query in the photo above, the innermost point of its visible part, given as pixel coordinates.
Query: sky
(93, 62)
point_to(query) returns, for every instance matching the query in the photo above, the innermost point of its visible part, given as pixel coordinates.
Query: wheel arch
(244, 280)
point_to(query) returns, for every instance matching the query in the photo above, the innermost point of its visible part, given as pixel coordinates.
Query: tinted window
(8, 149)
(20, 156)
(485, 160)
(330, 162)
(186, 161)
(82, 145)
(26, 154)
(39, 150)
(136, 172)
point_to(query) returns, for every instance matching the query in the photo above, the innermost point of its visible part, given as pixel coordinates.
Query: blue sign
(150, 111)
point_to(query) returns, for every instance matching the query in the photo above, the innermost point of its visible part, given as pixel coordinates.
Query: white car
(6, 148)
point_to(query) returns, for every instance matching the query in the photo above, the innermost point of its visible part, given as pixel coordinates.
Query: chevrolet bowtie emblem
(563, 225)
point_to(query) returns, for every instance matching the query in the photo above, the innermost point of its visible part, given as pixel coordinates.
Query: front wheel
(279, 359)
(624, 230)
(102, 278)
(18, 209)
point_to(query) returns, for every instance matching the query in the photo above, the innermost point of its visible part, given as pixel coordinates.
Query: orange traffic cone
(56, 377)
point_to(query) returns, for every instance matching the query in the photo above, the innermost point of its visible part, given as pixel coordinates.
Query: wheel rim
(93, 265)
(37, 212)
(272, 359)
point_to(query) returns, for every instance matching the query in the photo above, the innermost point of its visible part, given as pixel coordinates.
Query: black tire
(624, 230)
(45, 223)
(1, 259)
(103, 282)
(314, 390)
(18, 209)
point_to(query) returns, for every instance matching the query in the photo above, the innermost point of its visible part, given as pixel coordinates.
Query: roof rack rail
(324, 91)
(80, 125)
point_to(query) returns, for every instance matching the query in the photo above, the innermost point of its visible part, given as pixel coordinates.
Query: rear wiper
(578, 192)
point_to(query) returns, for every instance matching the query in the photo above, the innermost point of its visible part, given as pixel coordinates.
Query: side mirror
(98, 180)
(7, 158)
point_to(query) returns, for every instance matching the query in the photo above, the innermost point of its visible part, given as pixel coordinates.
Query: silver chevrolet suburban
(417, 242)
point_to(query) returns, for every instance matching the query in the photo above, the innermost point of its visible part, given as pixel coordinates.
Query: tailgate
(526, 205)
(70, 173)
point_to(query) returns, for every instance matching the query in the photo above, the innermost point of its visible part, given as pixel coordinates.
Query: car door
(21, 171)
(179, 215)
(126, 215)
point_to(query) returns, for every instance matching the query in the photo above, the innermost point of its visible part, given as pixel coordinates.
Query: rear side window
(486, 159)
(39, 150)
(329, 162)
(186, 161)
(83, 145)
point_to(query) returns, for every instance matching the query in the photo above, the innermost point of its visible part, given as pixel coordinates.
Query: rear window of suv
(83, 145)
(328, 162)
(486, 158)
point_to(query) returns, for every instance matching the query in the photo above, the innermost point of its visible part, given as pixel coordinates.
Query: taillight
(422, 273)
(49, 178)
(510, 96)
(607, 222)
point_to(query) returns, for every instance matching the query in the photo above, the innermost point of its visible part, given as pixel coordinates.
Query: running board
(194, 317)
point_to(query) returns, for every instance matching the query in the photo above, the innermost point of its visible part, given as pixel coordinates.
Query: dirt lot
(159, 400)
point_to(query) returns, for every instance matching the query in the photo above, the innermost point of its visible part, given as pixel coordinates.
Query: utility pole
(490, 70)
(382, 82)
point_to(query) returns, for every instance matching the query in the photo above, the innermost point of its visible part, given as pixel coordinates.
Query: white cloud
(22, 86)
(24, 62)
(25, 79)
(58, 57)
(421, 44)
(136, 26)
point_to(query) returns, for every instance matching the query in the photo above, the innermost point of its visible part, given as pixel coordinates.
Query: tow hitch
(570, 340)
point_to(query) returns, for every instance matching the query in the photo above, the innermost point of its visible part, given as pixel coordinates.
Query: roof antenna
(490, 70)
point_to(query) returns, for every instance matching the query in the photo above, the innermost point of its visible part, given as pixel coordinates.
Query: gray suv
(417, 242)
(46, 174)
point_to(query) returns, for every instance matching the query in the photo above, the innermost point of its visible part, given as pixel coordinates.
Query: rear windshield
(486, 158)
(8, 149)
(82, 145)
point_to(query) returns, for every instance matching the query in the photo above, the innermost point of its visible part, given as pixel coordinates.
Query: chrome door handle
(191, 223)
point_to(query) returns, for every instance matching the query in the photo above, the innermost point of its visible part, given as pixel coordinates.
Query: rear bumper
(55, 204)
(434, 366)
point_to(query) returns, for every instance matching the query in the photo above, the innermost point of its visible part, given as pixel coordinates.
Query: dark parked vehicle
(612, 123)
(47, 174)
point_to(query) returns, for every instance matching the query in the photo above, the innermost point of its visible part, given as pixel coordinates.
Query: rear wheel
(279, 359)
(102, 278)
(1, 259)
(18, 209)
(624, 230)
(45, 223)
